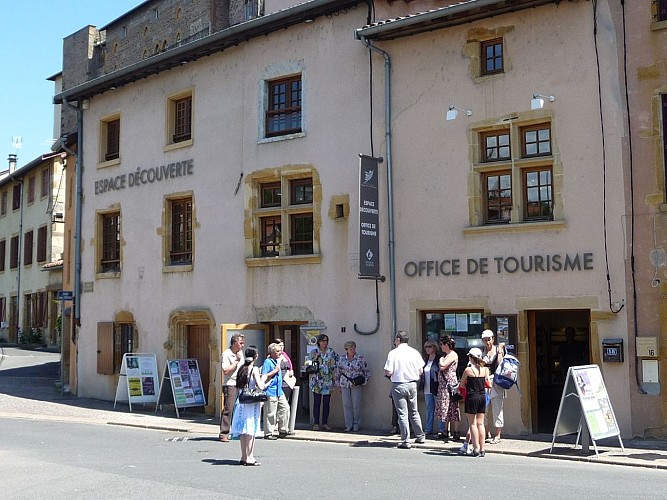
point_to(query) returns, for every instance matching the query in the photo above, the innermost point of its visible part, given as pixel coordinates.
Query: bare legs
(247, 448)
(476, 424)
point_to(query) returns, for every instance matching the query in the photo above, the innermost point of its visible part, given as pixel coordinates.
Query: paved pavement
(32, 392)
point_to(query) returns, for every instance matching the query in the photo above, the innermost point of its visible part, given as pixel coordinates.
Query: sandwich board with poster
(585, 408)
(181, 385)
(138, 381)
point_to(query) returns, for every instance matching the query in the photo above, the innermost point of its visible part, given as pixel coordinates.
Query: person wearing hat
(473, 379)
(404, 366)
(492, 357)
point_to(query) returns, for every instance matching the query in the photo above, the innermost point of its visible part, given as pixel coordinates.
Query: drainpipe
(77, 210)
(390, 183)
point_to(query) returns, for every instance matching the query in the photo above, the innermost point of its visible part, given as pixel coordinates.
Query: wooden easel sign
(138, 381)
(585, 408)
(184, 379)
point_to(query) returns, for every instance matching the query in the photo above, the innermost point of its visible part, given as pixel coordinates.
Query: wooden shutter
(105, 348)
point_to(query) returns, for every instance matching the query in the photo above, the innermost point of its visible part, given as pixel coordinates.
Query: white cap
(487, 334)
(475, 352)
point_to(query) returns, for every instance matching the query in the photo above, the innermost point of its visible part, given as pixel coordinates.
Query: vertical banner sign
(369, 217)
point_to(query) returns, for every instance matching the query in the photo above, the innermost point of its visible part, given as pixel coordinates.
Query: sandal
(495, 440)
(252, 463)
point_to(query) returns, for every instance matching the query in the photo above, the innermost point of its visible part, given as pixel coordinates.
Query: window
(14, 252)
(515, 187)
(181, 119)
(27, 248)
(3, 247)
(3, 203)
(661, 10)
(283, 114)
(181, 232)
(31, 189)
(110, 138)
(110, 247)
(113, 341)
(285, 225)
(16, 197)
(45, 182)
(492, 56)
(41, 244)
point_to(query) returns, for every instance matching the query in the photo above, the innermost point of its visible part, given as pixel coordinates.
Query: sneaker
(316, 427)
(355, 429)
(271, 437)
(326, 427)
(420, 440)
(283, 435)
(495, 440)
(404, 446)
(347, 429)
(464, 449)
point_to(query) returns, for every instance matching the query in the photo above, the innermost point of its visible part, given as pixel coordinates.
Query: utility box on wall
(612, 350)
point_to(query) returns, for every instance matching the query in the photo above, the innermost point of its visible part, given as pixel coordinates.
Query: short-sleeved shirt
(404, 363)
(228, 359)
(275, 387)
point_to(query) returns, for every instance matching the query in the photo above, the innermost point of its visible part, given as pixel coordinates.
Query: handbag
(355, 381)
(250, 396)
(313, 368)
(454, 395)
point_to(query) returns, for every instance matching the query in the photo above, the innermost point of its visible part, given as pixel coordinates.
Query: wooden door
(198, 348)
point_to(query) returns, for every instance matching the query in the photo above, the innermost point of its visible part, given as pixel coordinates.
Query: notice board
(138, 381)
(183, 378)
(585, 402)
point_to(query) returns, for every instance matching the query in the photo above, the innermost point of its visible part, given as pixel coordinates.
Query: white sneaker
(464, 448)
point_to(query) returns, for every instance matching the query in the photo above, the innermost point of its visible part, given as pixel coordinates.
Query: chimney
(12, 163)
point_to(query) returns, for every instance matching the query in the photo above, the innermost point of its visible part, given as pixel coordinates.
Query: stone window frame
(517, 165)
(98, 242)
(103, 143)
(473, 51)
(164, 231)
(170, 119)
(278, 71)
(254, 213)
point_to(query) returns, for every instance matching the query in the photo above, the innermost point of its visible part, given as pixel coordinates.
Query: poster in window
(450, 322)
(475, 318)
(462, 322)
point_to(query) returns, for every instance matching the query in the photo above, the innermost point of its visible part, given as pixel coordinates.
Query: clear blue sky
(31, 41)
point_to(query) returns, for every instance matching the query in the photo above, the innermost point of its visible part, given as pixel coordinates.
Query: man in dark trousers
(230, 361)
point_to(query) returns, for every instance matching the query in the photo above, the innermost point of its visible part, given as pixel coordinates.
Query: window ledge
(106, 276)
(185, 268)
(110, 163)
(178, 145)
(519, 227)
(278, 138)
(287, 260)
(658, 25)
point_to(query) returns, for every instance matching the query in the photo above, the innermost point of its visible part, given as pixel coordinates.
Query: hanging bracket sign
(369, 217)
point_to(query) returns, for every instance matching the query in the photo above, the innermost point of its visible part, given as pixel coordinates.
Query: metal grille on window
(181, 232)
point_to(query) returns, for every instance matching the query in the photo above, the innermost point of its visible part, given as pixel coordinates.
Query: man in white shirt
(231, 360)
(404, 366)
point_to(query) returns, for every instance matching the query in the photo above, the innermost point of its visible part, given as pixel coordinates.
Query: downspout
(77, 211)
(390, 183)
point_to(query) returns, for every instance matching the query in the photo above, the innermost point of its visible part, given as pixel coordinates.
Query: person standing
(350, 366)
(446, 410)
(473, 379)
(322, 382)
(404, 366)
(230, 362)
(276, 408)
(429, 380)
(492, 356)
(245, 423)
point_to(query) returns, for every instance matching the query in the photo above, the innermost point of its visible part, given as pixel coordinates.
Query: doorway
(558, 339)
(198, 348)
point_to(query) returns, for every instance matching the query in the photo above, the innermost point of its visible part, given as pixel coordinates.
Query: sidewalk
(37, 398)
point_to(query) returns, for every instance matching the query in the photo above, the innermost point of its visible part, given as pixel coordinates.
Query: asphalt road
(60, 460)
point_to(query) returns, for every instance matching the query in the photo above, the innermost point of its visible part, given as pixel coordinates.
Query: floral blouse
(352, 368)
(322, 382)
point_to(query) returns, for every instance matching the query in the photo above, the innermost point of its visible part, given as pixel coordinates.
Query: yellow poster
(135, 386)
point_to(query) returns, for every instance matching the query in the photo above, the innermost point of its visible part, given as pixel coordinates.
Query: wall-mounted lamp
(453, 112)
(537, 102)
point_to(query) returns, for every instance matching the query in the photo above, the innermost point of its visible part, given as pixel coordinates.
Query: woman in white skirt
(246, 420)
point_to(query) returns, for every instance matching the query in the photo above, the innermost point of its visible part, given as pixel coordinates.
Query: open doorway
(558, 339)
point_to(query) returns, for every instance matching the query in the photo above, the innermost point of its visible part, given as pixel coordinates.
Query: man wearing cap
(492, 357)
(404, 366)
